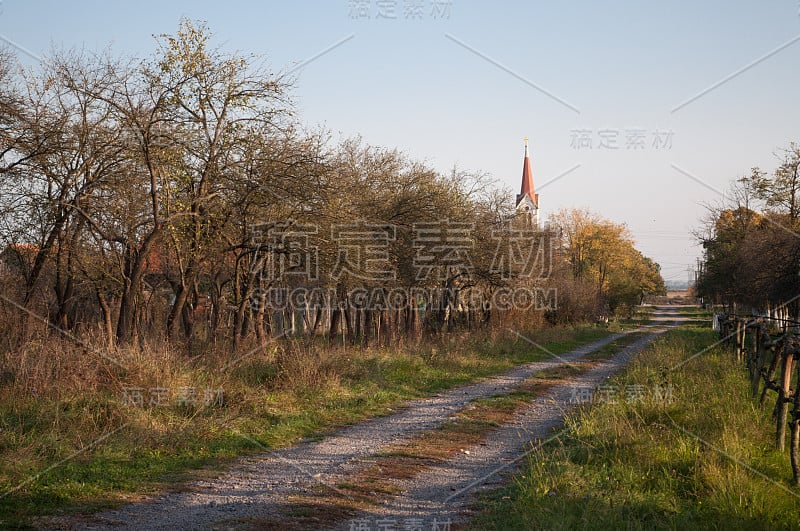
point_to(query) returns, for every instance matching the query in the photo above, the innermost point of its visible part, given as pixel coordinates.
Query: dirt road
(260, 491)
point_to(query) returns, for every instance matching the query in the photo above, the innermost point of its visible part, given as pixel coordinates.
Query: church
(527, 207)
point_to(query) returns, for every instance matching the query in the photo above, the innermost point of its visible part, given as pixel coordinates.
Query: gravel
(257, 486)
(443, 493)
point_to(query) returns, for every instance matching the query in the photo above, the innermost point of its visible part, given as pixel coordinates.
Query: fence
(770, 348)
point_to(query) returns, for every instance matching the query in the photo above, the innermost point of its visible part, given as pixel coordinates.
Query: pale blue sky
(422, 86)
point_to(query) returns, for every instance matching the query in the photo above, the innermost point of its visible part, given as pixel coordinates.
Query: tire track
(259, 486)
(443, 493)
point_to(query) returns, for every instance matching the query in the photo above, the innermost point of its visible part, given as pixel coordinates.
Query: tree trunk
(384, 327)
(336, 316)
(177, 311)
(317, 319)
(346, 316)
(216, 300)
(132, 283)
(360, 334)
(105, 308)
(368, 325)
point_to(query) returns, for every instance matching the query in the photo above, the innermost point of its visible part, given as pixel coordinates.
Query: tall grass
(704, 459)
(59, 402)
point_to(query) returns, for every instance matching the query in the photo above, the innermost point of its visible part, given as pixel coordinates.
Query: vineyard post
(795, 437)
(760, 339)
(775, 349)
(741, 329)
(782, 405)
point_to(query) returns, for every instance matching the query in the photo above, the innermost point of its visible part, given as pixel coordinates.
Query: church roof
(527, 179)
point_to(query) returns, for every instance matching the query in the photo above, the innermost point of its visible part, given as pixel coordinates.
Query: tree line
(179, 197)
(751, 243)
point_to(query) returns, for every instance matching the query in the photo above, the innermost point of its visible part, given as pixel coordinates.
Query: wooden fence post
(782, 405)
(794, 449)
(783, 351)
(776, 350)
(761, 337)
(750, 349)
(726, 330)
(741, 332)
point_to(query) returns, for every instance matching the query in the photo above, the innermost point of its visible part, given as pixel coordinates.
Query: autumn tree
(148, 194)
(602, 256)
(752, 253)
(780, 191)
(217, 104)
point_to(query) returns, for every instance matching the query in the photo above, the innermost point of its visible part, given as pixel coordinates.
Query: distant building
(527, 207)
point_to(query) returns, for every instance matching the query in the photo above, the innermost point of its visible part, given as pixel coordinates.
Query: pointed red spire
(527, 178)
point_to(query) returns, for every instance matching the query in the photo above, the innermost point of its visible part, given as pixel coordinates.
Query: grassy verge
(692, 451)
(76, 435)
(695, 312)
(378, 478)
(614, 347)
(641, 315)
(382, 473)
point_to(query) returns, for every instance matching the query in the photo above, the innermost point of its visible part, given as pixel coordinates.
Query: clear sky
(459, 82)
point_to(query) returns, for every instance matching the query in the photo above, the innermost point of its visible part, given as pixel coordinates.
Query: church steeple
(527, 178)
(527, 200)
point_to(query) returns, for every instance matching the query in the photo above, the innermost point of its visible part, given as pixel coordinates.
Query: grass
(695, 312)
(681, 458)
(614, 347)
(380, 476)
(73, 437)
(641, 315)
(366, 486)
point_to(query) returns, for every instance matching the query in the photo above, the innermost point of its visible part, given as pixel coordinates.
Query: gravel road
(444, 492)
(258, 486)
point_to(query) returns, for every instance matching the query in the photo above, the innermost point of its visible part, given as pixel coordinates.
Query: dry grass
(59, 396)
